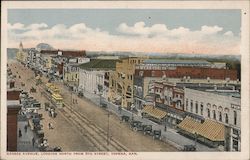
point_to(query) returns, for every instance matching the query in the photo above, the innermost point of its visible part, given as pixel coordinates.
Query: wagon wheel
(135, 129)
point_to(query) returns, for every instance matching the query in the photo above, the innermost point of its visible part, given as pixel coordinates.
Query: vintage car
(157, 134)
(124, 118)
(147, 129)
(189, 148)
(136, 126)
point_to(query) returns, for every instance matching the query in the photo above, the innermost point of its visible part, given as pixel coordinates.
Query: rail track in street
(93, 133)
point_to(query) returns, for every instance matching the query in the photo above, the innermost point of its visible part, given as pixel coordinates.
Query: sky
(141, 30)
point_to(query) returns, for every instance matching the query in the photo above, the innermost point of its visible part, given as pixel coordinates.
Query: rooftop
(169, 61)
(100, 64)
(65, 53)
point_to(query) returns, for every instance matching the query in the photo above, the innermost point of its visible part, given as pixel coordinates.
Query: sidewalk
(170, 136)
(24, 143)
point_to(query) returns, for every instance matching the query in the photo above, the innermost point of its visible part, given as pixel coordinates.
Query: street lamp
(165, 127)
(195, 136)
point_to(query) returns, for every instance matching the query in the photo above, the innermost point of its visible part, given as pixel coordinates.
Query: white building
(221, 106)
(94, 76)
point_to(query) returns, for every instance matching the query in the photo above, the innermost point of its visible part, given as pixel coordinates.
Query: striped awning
(154, 112)
(209, 129)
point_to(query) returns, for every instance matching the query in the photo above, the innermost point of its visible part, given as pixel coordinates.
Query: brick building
(13, 107)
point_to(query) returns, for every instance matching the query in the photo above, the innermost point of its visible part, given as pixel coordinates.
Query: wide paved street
(70, 138)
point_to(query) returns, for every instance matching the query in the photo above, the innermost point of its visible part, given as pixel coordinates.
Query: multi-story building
(122, 80)
(146, 75)
(13, 107)
(71, 71)
(94, 76)
(219, 104)
(170, 98)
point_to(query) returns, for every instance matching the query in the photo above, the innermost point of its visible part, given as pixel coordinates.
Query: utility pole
(108, 134)
(71, 102)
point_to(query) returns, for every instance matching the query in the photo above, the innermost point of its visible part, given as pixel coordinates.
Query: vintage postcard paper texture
(125, 80)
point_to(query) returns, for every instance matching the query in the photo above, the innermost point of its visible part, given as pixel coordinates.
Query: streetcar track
(96, 137)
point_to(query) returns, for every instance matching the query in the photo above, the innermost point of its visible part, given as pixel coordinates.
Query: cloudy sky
(141, 30)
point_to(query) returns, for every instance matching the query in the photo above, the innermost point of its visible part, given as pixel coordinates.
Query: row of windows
(214, 116)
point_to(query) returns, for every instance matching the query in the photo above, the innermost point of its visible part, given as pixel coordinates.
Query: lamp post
(165, 127)
(195, 136)
(108, 132)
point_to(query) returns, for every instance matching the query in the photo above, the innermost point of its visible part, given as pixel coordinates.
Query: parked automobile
(53, 149)
(147, 129)
(136, 126)
(157, 134)
(189, 148)
(104, 105)
(80, 94)
(124, 118)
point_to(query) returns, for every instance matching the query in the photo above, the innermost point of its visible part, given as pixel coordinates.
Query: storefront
(209, 132)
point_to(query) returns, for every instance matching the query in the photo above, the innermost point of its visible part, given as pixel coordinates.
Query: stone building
(221, 105)
(122, 80)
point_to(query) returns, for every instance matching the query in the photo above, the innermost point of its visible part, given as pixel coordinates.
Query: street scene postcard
(125, 80)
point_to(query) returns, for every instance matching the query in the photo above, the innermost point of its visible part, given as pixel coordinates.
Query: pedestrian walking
(50, 126)
(25, 128)
(33, 141)
(20, 132)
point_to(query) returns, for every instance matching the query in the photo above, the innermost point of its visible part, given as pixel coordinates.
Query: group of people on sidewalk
(26, 129)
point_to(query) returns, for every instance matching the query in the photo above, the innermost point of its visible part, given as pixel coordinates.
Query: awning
(209, 129)
(154, 112)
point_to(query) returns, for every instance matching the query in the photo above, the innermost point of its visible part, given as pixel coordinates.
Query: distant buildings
(21, 55)
(199, 98)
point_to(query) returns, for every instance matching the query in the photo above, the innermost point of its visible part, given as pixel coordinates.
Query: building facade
(220, 106)
(121, 81)
(94, 76)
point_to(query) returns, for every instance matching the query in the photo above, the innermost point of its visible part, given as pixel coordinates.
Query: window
(226, 118)
(191, 106)
(186, 104)
(208, 113)
(214, 114)
(201, 109)
(153, 73)
(141, 73)
(235, 118)
(196, 107)
(220, 117)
